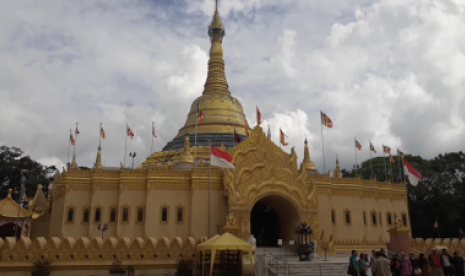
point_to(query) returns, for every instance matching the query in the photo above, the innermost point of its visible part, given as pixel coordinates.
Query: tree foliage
(13, 164)
(440, 194)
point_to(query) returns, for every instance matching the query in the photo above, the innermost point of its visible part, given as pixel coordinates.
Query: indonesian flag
(71, 139)
(220, 158)
(412, 175)
(269, 133)
(153, 131)
(102, 133)
(247, 128)
(259, 116)
(357, 145)
(283, 138)
(129, 132)
(372, 148)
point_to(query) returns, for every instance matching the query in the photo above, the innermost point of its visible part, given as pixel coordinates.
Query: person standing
(405, 265)
(434, 260)
(422, 264)
(362, 265)
(368, 271)
(381, 265)
(458, 264)
(353, 264)
(446, 262)
(414, 263)
(395, 265)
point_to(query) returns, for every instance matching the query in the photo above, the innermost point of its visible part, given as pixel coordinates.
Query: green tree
(13, 164)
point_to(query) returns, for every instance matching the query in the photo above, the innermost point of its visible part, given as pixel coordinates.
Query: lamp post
(102, 229)
(132, 154)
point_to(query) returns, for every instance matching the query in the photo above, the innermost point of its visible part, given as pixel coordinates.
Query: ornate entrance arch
(263, 170)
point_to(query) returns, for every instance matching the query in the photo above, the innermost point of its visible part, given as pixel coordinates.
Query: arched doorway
(9, 230)
(271, 218)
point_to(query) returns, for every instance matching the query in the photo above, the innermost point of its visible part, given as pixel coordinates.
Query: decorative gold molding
(113, 207)
(183, 214)
(142, 208)
(125, 212)
(94, 214)
(83, 214)
(68, 209)
(167, 213)
(346, 214)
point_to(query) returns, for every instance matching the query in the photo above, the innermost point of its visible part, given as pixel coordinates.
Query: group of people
(378, 264)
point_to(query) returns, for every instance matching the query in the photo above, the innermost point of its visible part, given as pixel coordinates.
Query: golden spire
(216, 79)
(74, 165)
(98, 160)
(186, 156)
(337, 171)
(307, 163)
(9, 193)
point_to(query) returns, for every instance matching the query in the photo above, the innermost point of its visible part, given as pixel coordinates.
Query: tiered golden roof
(10, 209)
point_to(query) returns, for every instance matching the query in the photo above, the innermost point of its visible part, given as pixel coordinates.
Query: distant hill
(441, 192)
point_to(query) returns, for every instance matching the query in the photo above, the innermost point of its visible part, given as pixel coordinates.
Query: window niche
(404, 219)
(374, 218)
(364, 218)
(125, 214)
(85, 214)
(98, 212)
(380, 219)
(180, 211)
(333, 216)
(347, 217)
(70, 214)
(113, 214)
(164, 213)
(140, 214)
(389, 218)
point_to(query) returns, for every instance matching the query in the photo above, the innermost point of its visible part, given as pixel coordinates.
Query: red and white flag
(412, 175)
(102, 133)
(220, 158)
(129, 132)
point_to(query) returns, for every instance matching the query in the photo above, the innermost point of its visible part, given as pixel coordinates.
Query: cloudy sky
(389, 71)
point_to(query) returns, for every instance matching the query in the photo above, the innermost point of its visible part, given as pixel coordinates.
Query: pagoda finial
(98, 159)
(337, 171)
(186, 156)
(307, 163)
(216, 5)
(74, 165)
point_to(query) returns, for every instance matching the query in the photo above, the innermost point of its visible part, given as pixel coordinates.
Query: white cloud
(386, 71)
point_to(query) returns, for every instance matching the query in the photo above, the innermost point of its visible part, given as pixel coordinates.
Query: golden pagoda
(174, 199)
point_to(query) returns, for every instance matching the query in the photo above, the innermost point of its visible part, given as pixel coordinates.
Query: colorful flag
(400, 154)
(259, 116)
(282, 138)
(386, 149)
(357, 145)
(153, 131)
(326, 121)
(25, 198)
(246, 128)
(220, 158)
(237, 138)
(199, 112)
(412, 175)
(129, 132)
(372, 148)
(71, 139)
(76, 132)
(102, 132)
(269, 133)
(392, 160)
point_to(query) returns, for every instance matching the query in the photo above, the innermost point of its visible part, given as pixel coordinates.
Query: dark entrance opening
(265, 225)
(9, 230)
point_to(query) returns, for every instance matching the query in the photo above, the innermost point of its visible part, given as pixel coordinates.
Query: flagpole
(384, 159)
(125, 146)
(356, 164)
(323, 146)
(371, 167)
(75, 139)
(151, 147)
(400, 172)
(209, 188)
(69, 142)
(390, 165)
(100, 137)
